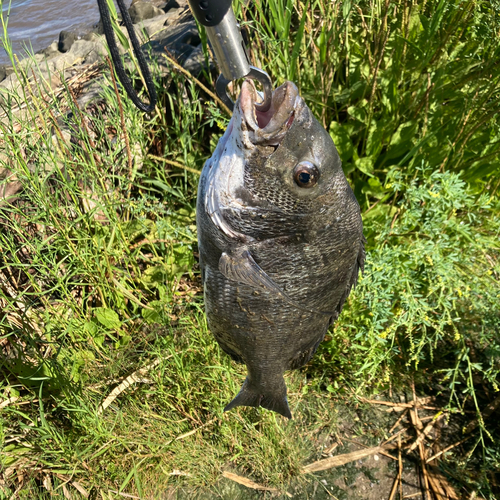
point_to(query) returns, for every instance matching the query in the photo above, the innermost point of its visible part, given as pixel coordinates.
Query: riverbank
(160, 25)
(35, 24)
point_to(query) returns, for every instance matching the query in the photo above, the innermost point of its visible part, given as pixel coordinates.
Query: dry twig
(343, 459)
(136, 377)
(248, 482)
(425, 432)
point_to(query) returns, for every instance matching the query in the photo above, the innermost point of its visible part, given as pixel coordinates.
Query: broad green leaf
(107, 317)
(155, 275)
(374, 141)
(342, 141)
(359, 112)
(365, 165)
(374, 188)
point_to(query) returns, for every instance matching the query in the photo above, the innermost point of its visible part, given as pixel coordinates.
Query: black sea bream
(280, 238)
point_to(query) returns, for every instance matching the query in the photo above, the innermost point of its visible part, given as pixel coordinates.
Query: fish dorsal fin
(240, 266)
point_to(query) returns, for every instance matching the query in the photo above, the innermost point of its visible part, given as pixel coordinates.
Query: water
(37, 23)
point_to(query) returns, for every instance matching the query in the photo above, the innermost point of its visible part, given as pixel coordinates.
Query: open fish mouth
(271, 126)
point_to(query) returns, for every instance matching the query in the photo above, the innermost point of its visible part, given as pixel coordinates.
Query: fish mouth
(271, 126)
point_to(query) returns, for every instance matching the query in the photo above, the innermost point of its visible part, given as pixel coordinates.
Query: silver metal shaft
(228, 47)
(233, 62)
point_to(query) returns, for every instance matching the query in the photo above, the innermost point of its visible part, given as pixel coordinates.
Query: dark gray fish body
(280, 239)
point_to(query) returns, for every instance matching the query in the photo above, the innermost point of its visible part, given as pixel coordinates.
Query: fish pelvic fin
(253, 395)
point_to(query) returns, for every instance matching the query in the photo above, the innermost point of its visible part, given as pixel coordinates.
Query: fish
(280, 240)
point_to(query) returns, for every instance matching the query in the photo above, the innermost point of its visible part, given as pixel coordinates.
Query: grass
(99, 280)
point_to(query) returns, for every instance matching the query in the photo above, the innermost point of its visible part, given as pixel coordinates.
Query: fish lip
(271, 126)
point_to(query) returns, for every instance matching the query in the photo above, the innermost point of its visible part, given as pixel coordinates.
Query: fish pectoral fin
(240, 266)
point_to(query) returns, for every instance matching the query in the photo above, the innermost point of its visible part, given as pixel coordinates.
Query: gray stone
(66, 40)
(50, 51)
(181, 51)
(154, 26)
(5, 71)
(196, 62)
(140, 11)
(171, 4)
(183, 33)
(92, 92)
(89, 51)
(91, 37)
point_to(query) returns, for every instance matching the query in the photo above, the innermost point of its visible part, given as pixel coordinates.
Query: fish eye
(306, 174)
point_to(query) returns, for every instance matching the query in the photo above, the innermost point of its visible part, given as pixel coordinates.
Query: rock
(180, 51)
(5, 71)
(92, 36)
(88, 51)
(154, 26)
(140, 11)
(181, 33)
(50, 51)
(66, 40)
(92, 92)
(196, 62)
(171, 4)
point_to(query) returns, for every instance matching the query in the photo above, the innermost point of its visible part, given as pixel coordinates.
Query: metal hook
(256, 74)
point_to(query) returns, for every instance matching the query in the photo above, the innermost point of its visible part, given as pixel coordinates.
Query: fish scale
(278, 257)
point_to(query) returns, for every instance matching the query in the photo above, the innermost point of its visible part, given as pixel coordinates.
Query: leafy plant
(396, 83)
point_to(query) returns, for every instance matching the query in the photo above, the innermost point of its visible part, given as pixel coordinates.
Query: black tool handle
(209, 12)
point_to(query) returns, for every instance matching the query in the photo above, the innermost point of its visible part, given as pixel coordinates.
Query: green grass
(99, 280)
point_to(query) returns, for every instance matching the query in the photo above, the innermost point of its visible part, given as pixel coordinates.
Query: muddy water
(36, 23)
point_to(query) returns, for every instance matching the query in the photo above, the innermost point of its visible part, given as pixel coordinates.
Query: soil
(371, 478)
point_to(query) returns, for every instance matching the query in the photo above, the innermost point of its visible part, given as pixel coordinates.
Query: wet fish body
(280, 240)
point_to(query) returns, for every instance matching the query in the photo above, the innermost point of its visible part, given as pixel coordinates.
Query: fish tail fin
(252, 395)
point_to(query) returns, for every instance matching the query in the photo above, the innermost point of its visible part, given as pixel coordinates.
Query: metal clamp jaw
(225, 37)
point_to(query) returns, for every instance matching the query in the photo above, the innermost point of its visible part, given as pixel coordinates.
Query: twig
(421, 450)
(373, 206)
(337, 460)
(388, 455)
(394, 487)
(190, 433)
(131, 379)
(484, 415)
(394, 436)
(448, 448)
(8, 401)
(248, 482)
(125, 495)
(420, 402)
(398, 421)
(425, 432)
(328, 450)
(440, 487)
(400, 461)
(398, 479)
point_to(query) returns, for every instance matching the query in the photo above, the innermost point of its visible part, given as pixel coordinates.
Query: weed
(98, 274)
